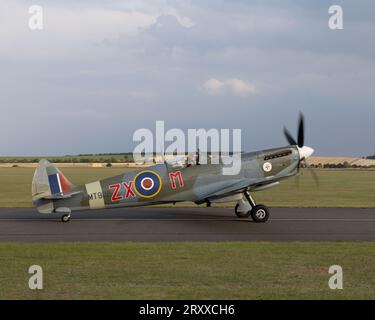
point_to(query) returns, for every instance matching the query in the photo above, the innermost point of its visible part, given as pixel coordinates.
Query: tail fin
(48, 183)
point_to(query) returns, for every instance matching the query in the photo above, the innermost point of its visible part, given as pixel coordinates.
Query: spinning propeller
(304, 151)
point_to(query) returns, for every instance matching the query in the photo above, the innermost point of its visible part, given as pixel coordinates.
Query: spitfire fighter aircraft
(165, 183)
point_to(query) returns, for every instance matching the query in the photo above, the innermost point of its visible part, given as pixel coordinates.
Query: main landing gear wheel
(241, 214)
(65, 218)
(260, 213)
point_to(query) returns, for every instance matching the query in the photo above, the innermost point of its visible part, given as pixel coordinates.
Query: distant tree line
(103, 154)
(344, 165)
(88, 158)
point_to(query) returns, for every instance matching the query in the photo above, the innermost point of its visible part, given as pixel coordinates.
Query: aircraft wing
(247, 184)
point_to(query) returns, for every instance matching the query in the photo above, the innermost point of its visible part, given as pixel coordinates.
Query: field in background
(104, 158)
(236, 270)
(338, 188)
(126, 159)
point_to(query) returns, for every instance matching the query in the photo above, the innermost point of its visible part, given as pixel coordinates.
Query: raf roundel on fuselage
(147, 184)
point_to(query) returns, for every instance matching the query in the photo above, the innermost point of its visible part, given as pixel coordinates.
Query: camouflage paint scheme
(200, 183)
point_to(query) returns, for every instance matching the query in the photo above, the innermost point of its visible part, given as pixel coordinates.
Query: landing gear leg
(259, 213)
(250, 199)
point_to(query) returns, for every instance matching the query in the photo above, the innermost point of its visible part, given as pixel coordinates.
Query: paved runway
(188, 224)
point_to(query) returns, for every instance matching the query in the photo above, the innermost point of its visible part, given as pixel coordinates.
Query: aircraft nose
(305, 152)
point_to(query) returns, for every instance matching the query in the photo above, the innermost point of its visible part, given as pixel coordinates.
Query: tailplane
(49, 183)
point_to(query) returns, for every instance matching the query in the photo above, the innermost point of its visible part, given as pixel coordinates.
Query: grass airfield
(235, 270)
(222, 270)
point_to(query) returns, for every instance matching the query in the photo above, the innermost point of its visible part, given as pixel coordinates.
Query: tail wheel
(241, 214)
(65, 218)
(260, 213)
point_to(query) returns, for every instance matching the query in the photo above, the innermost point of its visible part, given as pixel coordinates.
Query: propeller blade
(297, 180)
(315, 177)
(289, 137)
(304, 164)
(301, 131)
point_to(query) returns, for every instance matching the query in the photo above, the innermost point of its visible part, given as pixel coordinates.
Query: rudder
(48, 181)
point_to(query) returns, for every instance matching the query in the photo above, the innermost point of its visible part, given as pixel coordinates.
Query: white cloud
(213, 86)
(240, 87)
(183, 21)
(235, 86)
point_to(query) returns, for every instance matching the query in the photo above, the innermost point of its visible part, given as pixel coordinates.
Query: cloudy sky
(100, 70)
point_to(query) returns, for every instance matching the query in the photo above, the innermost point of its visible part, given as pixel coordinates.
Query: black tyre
(65, 218)
(241, 214)
(260, 213)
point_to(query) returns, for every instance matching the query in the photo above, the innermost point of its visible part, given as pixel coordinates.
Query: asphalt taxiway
(188, 224)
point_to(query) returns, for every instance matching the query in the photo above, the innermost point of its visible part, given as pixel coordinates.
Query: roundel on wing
(147, 184)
